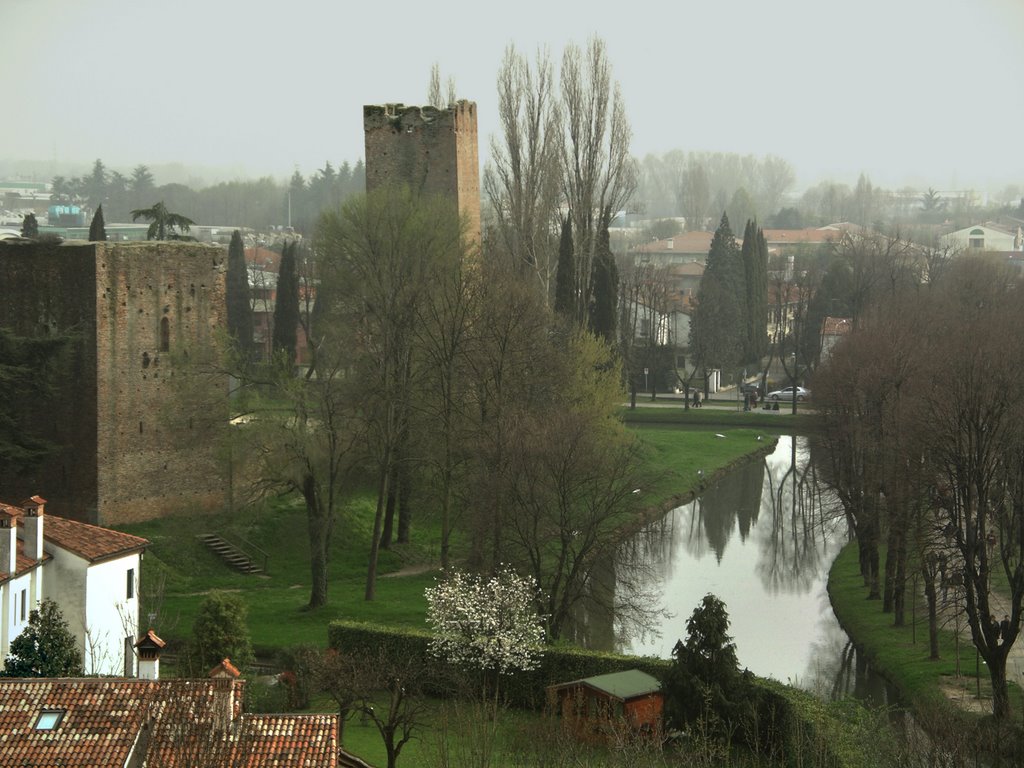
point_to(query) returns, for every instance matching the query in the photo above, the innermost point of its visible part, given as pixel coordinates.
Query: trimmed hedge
(523, 689)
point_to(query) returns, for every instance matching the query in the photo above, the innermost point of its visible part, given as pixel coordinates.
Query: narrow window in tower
(165, 335)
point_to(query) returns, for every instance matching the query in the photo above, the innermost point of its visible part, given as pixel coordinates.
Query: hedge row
(792, 722)
(523, 689)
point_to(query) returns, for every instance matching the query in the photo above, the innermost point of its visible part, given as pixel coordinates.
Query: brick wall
(153, 425)
(434, 151)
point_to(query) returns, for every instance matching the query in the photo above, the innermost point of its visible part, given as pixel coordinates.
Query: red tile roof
(90, 541)
(812, 235)
(836, 326)
(688, 242)
(302, 741)
(171, 723)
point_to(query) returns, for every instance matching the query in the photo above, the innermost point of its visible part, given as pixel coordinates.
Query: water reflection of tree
(730, 504)
(622, 597)
(803, 519)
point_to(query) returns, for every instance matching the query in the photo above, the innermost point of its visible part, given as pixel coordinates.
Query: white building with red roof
(91, 573)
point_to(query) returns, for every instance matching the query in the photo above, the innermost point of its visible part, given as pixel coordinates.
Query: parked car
(787, 394)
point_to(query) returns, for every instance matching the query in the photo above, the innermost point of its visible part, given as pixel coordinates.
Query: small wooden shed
(595, 705)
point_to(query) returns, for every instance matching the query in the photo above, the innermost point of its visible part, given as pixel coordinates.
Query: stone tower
(432, 150)
(136, 438)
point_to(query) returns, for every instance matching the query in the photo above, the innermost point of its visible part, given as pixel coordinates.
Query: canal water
(762, 539)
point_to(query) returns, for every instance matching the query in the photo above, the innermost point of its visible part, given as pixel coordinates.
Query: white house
(91, 573)
(986, 237)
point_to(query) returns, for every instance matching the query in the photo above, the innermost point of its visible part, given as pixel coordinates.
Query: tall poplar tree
(286, 307)
(239, 307)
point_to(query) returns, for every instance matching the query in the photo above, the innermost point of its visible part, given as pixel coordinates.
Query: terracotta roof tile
(299, 741)
(836, 326)
(688, 242)
(175, 724)
(90, 541)
(811, 235)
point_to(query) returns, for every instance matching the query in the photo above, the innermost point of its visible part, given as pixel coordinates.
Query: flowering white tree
(487, 624)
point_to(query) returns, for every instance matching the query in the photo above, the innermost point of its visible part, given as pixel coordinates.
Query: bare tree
(522, 182)
(381, 259)
(598, 173)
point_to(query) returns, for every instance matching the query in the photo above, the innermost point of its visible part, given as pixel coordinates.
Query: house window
(645, 327)
(165, 335)
(24, 604)
(977, 238)
(130, 584)
(49, 719)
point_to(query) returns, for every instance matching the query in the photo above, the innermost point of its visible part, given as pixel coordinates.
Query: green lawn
(179, 565)
(895, 652)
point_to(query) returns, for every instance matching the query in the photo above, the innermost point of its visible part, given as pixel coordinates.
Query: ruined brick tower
(136, 438)
(432, 150)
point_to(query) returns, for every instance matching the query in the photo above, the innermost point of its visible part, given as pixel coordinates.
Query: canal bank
(952, 692)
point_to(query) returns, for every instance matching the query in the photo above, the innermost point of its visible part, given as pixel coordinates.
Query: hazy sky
(910, 91)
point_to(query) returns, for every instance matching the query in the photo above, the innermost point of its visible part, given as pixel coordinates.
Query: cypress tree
(565, 274)
(717, 329)
(759, 303)
(97, 229)
(29, 226)
(749, 255)
(239, 307)
(604, 281)
(286, 307)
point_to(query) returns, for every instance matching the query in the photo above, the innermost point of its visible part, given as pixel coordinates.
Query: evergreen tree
(755, 266)
(717, 329)
(565, 274)
(94, 186)
(286, 307)
(759, 301)
(704, 680)
(45, 648)
(220, 632)
(97, 228)
(29, 226)
(239, 308)
(748, 256)
(604, 289)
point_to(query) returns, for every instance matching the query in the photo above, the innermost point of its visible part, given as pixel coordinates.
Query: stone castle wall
(434, 151)
(149, 427)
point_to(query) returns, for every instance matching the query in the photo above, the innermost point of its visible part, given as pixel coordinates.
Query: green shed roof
(621, 685)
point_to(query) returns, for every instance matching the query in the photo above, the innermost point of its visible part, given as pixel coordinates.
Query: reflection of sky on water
(762, 541)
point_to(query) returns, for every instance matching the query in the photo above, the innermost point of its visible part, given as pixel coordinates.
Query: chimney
(148, 648)
(224, 676)
(32, 526)
(8, 542)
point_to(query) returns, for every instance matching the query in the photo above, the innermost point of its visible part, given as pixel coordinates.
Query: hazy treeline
(700, 186)
(255, 203)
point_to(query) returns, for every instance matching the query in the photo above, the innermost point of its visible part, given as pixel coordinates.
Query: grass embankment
(179, 562)
(730, 418)
(900, 654)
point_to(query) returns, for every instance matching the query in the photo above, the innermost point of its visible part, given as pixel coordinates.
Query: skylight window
(49, 719)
